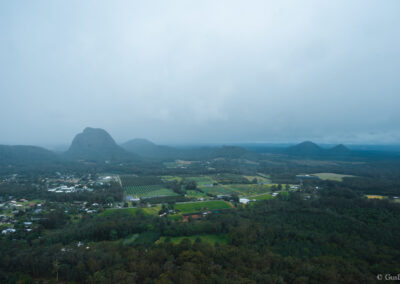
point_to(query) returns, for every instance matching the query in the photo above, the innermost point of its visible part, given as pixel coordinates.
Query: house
(7, 231)
(244, 200)
(131, 198)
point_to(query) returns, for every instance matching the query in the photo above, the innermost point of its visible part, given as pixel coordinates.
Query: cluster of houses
(69, 189)
(10, 221)
(71, 184)
(15, 205)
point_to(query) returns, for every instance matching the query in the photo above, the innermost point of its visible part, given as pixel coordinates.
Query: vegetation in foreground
(336, 236)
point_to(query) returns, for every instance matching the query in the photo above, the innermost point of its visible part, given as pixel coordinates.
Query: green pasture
(192, 207)
(331, 176)
(128, 211)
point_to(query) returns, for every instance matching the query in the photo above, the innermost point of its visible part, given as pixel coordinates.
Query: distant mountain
(339, 150)
(306, 149)
(233, 152)
(26, 155)
(148, 149)
(95, 144)
(311, 150)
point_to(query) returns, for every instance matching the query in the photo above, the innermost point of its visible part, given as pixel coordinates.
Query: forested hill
(148, 149)
(96, 144)
(26, 155)
(310, 149)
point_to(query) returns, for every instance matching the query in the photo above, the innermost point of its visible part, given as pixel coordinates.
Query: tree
(191, 185)
(56, 267)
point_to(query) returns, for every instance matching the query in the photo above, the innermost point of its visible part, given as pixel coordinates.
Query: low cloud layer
(200, 71)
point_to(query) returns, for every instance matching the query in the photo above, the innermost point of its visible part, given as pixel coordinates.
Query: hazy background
(200, 71)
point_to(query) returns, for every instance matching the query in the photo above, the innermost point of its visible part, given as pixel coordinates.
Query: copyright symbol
(379, 277)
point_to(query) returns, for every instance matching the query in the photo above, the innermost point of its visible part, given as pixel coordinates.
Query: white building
(244, 200)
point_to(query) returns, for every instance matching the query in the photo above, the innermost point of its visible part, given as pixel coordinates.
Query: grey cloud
(200, 71)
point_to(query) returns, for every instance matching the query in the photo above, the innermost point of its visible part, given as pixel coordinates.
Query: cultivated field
(145, 186)
(261, 197)
(331, 176)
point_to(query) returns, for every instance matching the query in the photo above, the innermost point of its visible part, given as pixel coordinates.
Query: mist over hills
(21, 154)
(97, 145)
(310, 149)
(148, 149)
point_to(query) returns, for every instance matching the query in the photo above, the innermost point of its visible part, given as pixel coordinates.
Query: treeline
(336, 236)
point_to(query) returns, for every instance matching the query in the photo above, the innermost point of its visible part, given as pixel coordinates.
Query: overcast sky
(200, 71)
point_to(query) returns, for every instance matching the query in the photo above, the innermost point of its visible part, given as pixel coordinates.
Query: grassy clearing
(195, 194)
(171, 165)
(261, 197)
(171, 178)
(175, 217)
(250, 189)
(374, 196)
(192, 207)
(331, 176)
(217, 189)
(202, 180)
(130, 240)
(211, 239)
(128, 211)
(260, 179)
(177, 164)
(160, 192)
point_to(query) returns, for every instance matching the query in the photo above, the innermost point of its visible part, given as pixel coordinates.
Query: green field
(145, 186)
(211, 239)
(230, 178)
(171, 178)
(217, 189)
(261, 197)
(195, 194)
(250, 189)
(127, 211)
(331, 176)
(259, 179)
(177, 164)
(201, 180)
(171, 165)
(192, 207)
(149, 191)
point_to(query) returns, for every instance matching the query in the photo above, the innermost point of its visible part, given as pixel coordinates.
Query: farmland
(132, 211)
(331, 176)
(207, 185)
(250, 189)
(228, 184)
(149, 191)
(192, 207)
(145, 186)
(262, 197)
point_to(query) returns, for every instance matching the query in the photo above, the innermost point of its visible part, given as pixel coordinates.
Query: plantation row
(142, 189)
(131, 180)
